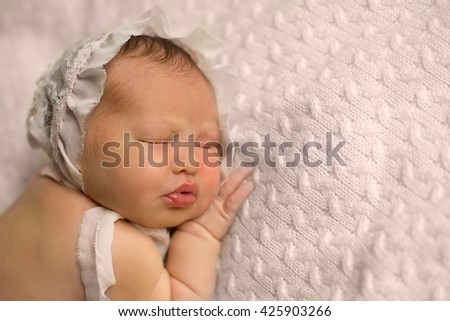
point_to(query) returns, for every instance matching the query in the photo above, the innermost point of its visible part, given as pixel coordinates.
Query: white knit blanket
(372, 73)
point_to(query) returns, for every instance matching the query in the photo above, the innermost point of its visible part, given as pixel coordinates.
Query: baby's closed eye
(213, 146)
(156, 141)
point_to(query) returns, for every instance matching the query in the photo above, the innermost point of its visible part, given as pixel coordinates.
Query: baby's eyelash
(207, 145)
(155, 141)
(214, 145)
(210, 144)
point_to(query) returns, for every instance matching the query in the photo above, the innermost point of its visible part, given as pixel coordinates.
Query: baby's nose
(185, 157)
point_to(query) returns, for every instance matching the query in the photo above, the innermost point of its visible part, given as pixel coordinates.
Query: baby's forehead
(149, 90)
(123, 74)
(140, 75)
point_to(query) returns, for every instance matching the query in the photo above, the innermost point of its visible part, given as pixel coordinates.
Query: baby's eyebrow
(114, 93)
(165, 124)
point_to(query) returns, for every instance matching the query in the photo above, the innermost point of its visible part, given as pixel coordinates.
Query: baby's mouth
(183, 196)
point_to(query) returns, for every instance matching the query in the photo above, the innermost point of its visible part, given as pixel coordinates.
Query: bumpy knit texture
(375, 73)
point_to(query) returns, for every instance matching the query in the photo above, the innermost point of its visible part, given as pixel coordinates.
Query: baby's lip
(185, 188)
(184, 195)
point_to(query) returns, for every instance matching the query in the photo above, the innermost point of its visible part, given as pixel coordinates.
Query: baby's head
(108, 109)
(153, 91)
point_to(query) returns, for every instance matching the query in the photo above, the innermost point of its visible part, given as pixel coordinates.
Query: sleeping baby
(134, 203)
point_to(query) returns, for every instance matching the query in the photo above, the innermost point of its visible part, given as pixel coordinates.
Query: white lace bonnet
(73, 86)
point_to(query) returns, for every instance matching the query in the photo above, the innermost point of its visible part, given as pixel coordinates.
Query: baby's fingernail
(249, 184)
(248, 170)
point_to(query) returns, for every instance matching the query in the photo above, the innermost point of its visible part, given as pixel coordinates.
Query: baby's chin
(162, 218)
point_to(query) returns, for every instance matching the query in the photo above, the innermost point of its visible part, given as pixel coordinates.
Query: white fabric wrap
(72, 88)
(94, 250)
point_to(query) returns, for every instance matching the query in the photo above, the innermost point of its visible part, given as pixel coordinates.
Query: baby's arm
(192, 256)
(195, 246)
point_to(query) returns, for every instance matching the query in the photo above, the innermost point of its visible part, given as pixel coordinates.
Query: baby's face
(151, 103)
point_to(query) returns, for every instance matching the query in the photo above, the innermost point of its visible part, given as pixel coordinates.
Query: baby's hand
(217, 219)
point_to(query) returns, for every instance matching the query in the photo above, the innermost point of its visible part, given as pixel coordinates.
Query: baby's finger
(233, 181)
(237, 198)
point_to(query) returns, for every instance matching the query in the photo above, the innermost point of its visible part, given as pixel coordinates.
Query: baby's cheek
(212, 180)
